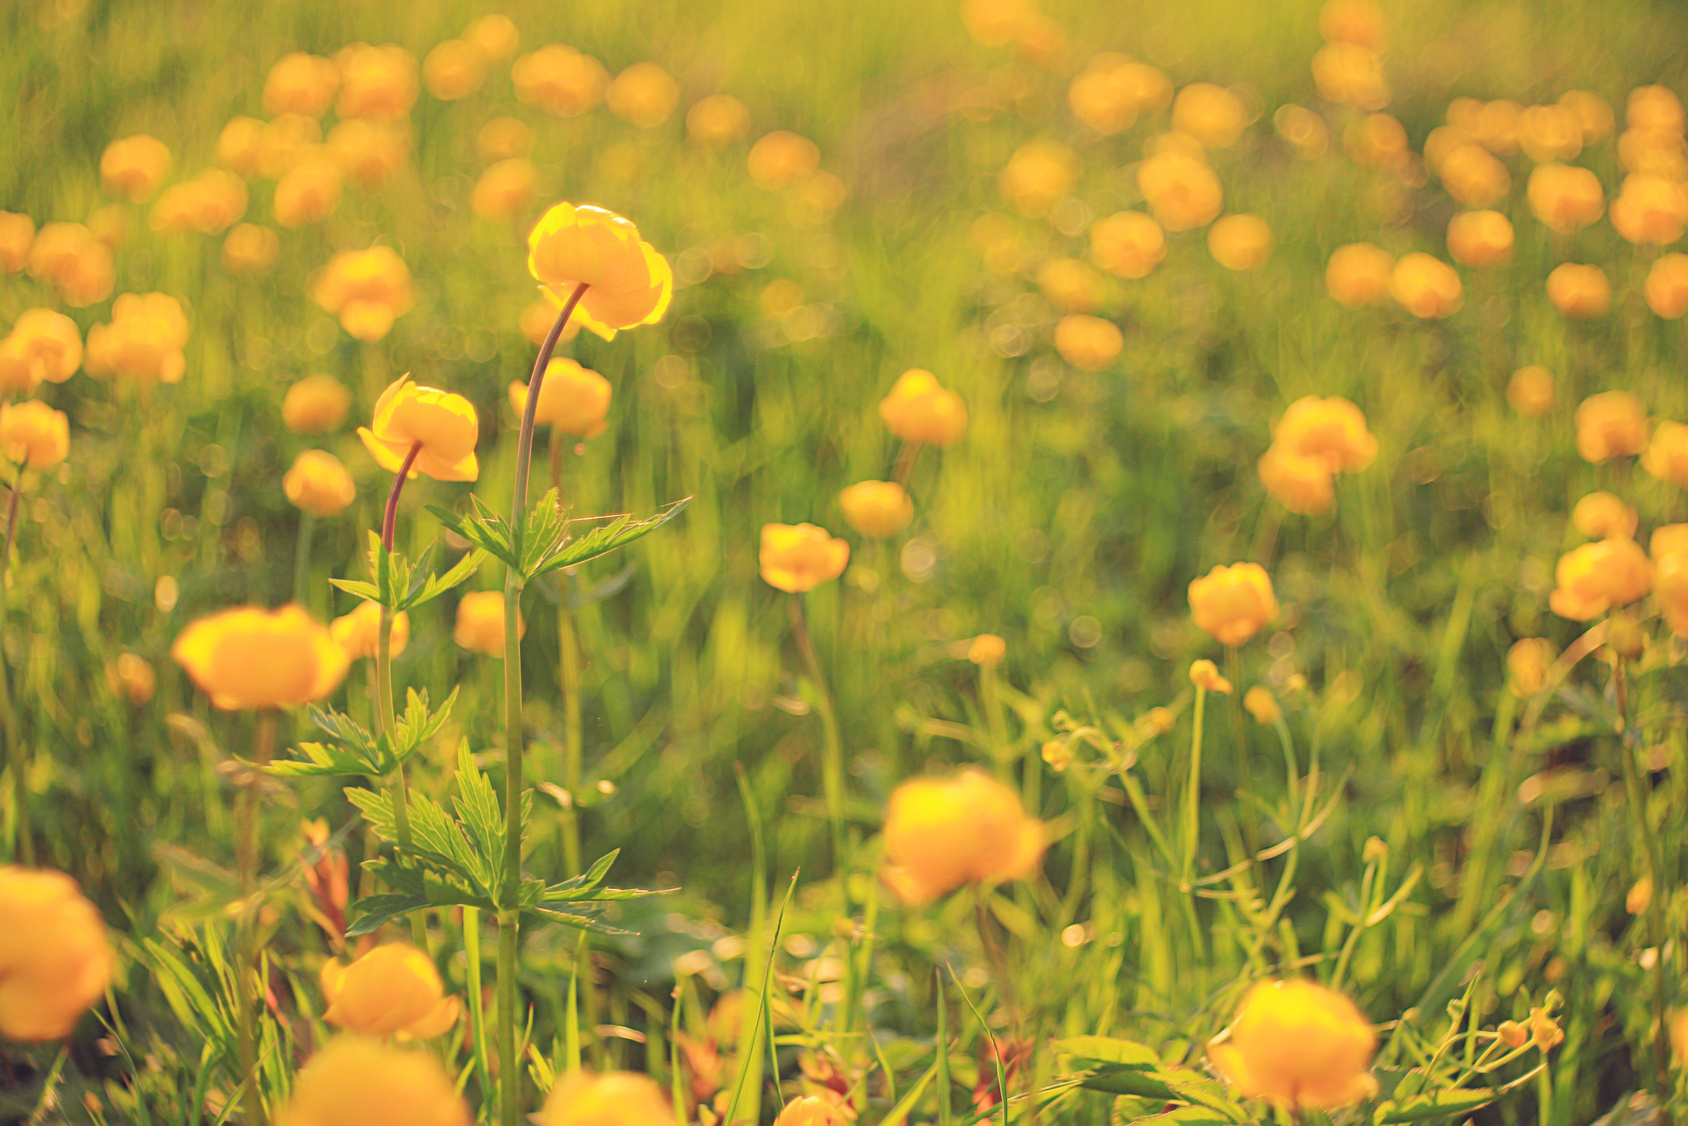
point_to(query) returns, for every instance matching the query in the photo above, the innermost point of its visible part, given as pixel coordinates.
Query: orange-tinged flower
(366, 289)
(1358, 274)
(308, 193)
(1204, 674)
(643, 95)
(131, 676)
(1262, 705)
(444, 425)
(1425, 286)
(250, 657)
(1181, 190)
(1298, 1046)
(996, 23)
(315, 404)
(1668, 539)
(799, 557)
(1530, 391)
(250, 249)
(918, 409)
(143, 341)
(559, 80)
(1127, 244)
(1611, 424)
(1549, 133)
(301, 83)
(1592, 112)
(134, 167)
(1070, 285)
(43, 345)
(454, 69)
(240, 145)
(1304, 131)
(1496, 125)
(480, 623)
(781, 159)
(573, 399)
(359, 633)
(1670, 591)
(55, 962)
(1602, 516)
(1088, 343)
(1579, 291)
(1240, 242)
(1354, 21)
(1233, 603)
(505, 189)
(1598, 576)
(876, 509)
(628, 282)
(1650, 210)
(68, 257)
(376, 82)
(209, 204)
(1655, 107)
(319, 484)
(812, 1110)
(1040, 172)
(33, 435)
(1473, 176)
(393, 990)
(496, 36)
(358, 1081)
(283, 142)
(1351, 74)
(1480, 238)
(942, 833)
(504, 138)
(1376, 141)
(617, 1098)
(1527, 664)
(369, 152)
(1112, 90)
(1304, 484)
(1211, 114)
(1667, 286)
(717, 120)
(1666, 457)
(1333, 430)
(987, 649)
(17, 234)
(536, 320)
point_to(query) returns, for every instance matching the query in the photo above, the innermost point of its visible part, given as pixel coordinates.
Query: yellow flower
(799, 557)
(717, 120)
(496, 36)
(1545, 1032)
(1526, 665)
(643, 95)
(1262, 705)
(941, 833)
(1640, 896)
(505, 189)
(68, 257)
(1667, 286)
(1549, 133)
(1088, 343)
(366, 289)
(1104, 95)
(1473, 176)
(443, 424)
(1666, 456)
(134, 167)
(811, 1110)
(1304, 131)
(1204, 674)
(33, 435)
(1602, 516)
(559, 80)
(1667, 540)
(1597, 576)
(250, 249)
(876, 509)
(573, 399)
(308, 193)
(1233, 603)
(1610, 424)
(1127, 244)
(1426, 287)
(1354, 21)
(131, 676)
(240, 145)
(629, 283)
(618, 1098)
(315, 404)
(210, 204)
(454, 69)
(1351, 74)
(919, 410)
(1377, 141)
(1358, 274)
(1564, 197)
(1299, 1046)
(536, 320)
(319, 484)
(1480, 238)
(1181, 190)
(480, 623)
(1592, 112)
(1333, 430)
(277, 145)
(143, 341)
(1530, 391)
(1070, 285)
(504, 138)
(376, 82)
(1040, 172)
(1301, 483)
(1240, 242)
(55, 961)
(393, 990)
(249, 657)
(987, 649)
(301, 83)
(1650, 210)
(356, 1081)
(43, 346)
(369, 152)
(1670, 590)
(1579, 292)
(1211, 114)
(17, 234)
(358, 633)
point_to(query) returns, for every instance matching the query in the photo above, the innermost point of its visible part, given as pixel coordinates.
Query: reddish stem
(392, 514)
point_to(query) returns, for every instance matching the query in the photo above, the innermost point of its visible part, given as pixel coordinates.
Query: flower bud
(1204, 674)
(392, 990)
(573, 399)
(1512, 1034)
(1262, 705)
(1526, 665)
(1181, 190)
(366, 289)
(131, 676)
(628, 282)
(987, 650)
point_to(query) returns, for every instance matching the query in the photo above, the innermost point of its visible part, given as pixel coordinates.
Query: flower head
(1233, 603)
(1666, 288)
(1473, 176)
(1650, 209)
(392, 990)
(315, 404)
(250, 249)
(559, 80)
(1088, 343)
(358, 633)
(1262, 705)
(358, 1081)
(43, 346)
(1602, 515)
(1211, 114)
(799, 557)
(1181, 190)
(17, 234)
(812, 1110)
(1598, 576)
(143, 341)
(505, 189)
(366, 289)
(1479, 239)
(1113, 89)
(68, 257)
(987, 649)
(454, 69)
(480, 623)
(504, 138)
(134, 167)
(369, 152)
(1579, 291)
(1040, 172)
(876, 509)
(55, 961)
(319, 484)
(249, 657)
(1564, 197)
(1526, 665)
(495, 36)
(1297, 1045)
(1127, 244)
(1610, 424)
(308, 193)
(1351, 74)
(941, 833)
(1303, 483)
(33, 434)
(717, 120)
(1240, 242)
(617, 1098)
(442, 423)
(301, 83)
(376, 82)
(918, 409)
(1332, 430)
(1204, 674)
(644, 95)
(1530, 391)
(628, 282)
(1666, 456)
(573, 399)
(1425, 286)
(1359, 274)
(209, 204)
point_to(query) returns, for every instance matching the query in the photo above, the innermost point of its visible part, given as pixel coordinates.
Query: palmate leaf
(482, 817)
(401, 585)
(321, 761)
(482, 527)
(424, 591)
(619, 532)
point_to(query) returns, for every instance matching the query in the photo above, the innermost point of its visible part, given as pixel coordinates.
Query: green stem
(477, 1006)
(12, 753)
(385, 715)
(252, 994)
(832, 767)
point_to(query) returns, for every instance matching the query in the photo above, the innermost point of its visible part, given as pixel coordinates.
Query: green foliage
(547, 543)
(401, 586)
(358, 752)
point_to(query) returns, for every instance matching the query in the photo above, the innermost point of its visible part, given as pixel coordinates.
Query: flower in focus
(250, 249)
(617, 1098)
(249, 657)
(1211, 114)
(559, 80)
(987, 650)
(1425, 286)
(1358, 274)
(1578, 291)
(68, 257)
(1233, 603)
(43, 346)
(1299, 1046)
(942, 833)
(315, 404)
(1479, 239)
(210, 204)
(301, 83)
(1262, 705)
(143, 341)
(1602, 516)
(1610, 424)
(1650, 210)
(319, 484)
(358, 1081)
(505, 189)
(1204, 674)
(1088, 343)
(443, 424)
(1597, 576)
(393, 990)
(33, 435)
(1127, 244)
(1530, 391)
(454, 69)
(628, 282)
(55, 962)
(876, 509)
(643, 95)
(131, 676)
(376, 82)
(134, 167)
(1181, 190)
(1564, 197)
(1240, 242)
(1666, 456)
(366, 289)
(799, 557)
(1666, 288)
(480, 623)
(1040, 172)
(918, 409)
(573, 399)
(717, 120)
(504, 138)
(1526, 665)
(17, 234)
(359, 633)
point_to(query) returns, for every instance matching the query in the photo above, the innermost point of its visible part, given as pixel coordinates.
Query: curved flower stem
(11, 753)
(384, 713)
(510, 883)
(832, 767)
(252, 991)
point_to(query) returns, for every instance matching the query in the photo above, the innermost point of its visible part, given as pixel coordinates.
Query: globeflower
(495, 36)
(17, 234)
(366, 289)
(1530, 391)
(559, 80)
(480, 623)
(33, 435)
(1670, 591)
(250, 249)
(131, 676)
(308, 193)
(799, 557)
(1262, 705)
(1426, 287)
(369, 152)
(1204, 674)
(1666, 288)
(1303, 484)
(1549, 133)
(1070, 285)
(1650, 210)
(1667, 540)
(1040, 172)
(1527, 664)
(1103, 96)
(249, 657)
(454, 69)
(143, 341)
(1666, 457)
(1578, 291)
(1351, 74)
(134, 167)
(574, 399)
(505, 189)
(1298, 1046)
(68, 257)
(301, 83)
(43, 345)
(1359, 274)
(1604, 516)
(55, 962)
(876, 509)
(1127, 244)
(918, 409)
(812, 1110)
(717, 120)
(1181, 190)
(1211, 114)
(1332, 430)
(1592, 112)
(376, 82)
(319, 484)
(1598, 576)
(628, 282)
(358, 633)
(643, 95)
(209, 204)
(240, 143)
(315, 404)
(1565, 198)
(1240, 242)
(1473, 176)
(1480, 239)
(1233, 603)
(617, 1098)
(943, 833)
(1610, 424)
(393, 990)
(356, 1081)
(1088, 343)
(441, 428)
(504, 138)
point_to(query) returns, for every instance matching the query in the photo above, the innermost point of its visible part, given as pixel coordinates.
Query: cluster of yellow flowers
(1314, 441)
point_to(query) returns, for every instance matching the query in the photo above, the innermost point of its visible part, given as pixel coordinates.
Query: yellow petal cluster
(393, 990)
(367, 289)
(249, 657)
(480, 623)
(799, 557)
(1233, 603)
(359, 633)
(616, 1098)
(919, 409)
(628, 282)
(444, 425)
(1610, 424)
(43, 346)
(315, 404)
(143, 341)
(574, 399)
(359, 1081)
(134, 167)
(876, 509)
(1298, 1046)
(68, 257)
(943, 833)
(55, 962)
(1599, 576)
(33, 434)
(318, 483)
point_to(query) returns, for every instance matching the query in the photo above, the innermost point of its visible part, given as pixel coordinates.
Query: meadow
(1074, 564)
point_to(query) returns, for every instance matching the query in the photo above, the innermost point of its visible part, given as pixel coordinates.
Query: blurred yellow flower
(1473, 176)
(1298, 1046)
(376, 82)
(1592, 112)
(17, 234)
(366, 289)
(1655, 107)
(1351, 74)
(1650, 210)
(1354, 21)
(1579, 291)
(319, 484)
(33, 435)
(942, 833)
(1550, 133)
(454, 69)
(1040, 172)
(301, 83)
(799, 557)
(444, 425)
(1262, 705)
(1306, 485)
(1610, 424)
(617, 1098)
(131, 676)
(876, 509)
(68, 257)
(535, 322)
(249, 657)
(717, 120)
(1240, 242)
(357, 1081)
(1425, 286)
(1479, 239)
(480, 623)
(781, 159)
(1670, 591)
(315, 404)
(495, 36)
(1127, 244)
(629, 283)
(1211, 114)
(1204, 674)
(307, 193)
(1666, 456)
(55, 962)
(1233, 603)
(1113, 89)
(573, 399)
(240, 145)
(987, 649)
(1088, 343)
(1377, 141)
(143, 341)
(1601, 515)
(1666, 288)
(250, 249)
(1070, 285)
(1359, 274)
(1598, 576)
(1181, 190)
(1303, 130)
(1332, 430)
(1530, 391)
(208, 204)
(43, 346)
(504, 138)
(643, 95)
(812, 1110)
(1526, 665)
(369, 152)
(134, 167)
(359, 633)
(919, 410)
(505, 189)
(559, 80)
(1668, 539)
(393, 990)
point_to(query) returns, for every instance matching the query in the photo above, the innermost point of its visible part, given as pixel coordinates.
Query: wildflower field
(825, 564)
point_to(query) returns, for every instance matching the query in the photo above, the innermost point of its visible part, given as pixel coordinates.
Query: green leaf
(483, 818)
(1195, 1116)
(1445, 1103)
(1106, 1049)
(375, 911)
(622, 530)
(321, 761)
(437, 585)
(416, 726)
(579, 922)
(366, 591)
(482, 527)
(377, 810)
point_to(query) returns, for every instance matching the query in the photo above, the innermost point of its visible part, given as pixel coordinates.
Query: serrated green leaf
(377, 810)
(482, 816)
(375, 911)
(579, 922)
(416, 726)
(1195, 1116)
(482, 527)
(321, 761)
(1107, 1049)
(622, 530)
(366, 591)
(439, 843)
(436, 585)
